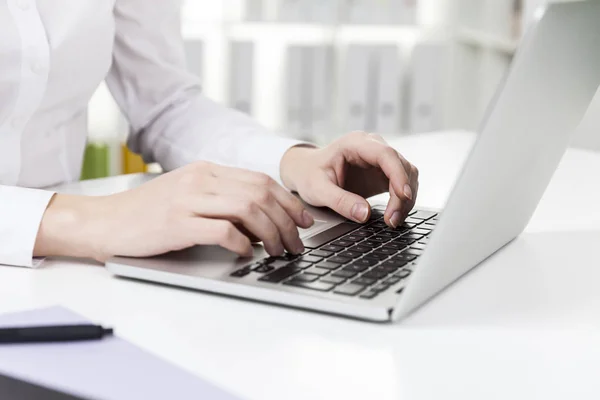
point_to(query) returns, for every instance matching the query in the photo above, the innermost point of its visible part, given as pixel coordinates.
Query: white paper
(108, 369)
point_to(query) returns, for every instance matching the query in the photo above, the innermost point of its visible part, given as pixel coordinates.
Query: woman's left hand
(342, 175)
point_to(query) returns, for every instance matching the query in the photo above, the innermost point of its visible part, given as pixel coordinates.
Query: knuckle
(264, 179)
(415, 172)
(249, 207)
(264, 197)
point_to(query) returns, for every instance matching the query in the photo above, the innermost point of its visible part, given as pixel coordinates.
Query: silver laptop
(375, 273)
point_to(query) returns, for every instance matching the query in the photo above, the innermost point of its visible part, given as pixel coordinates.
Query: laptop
(375, 273)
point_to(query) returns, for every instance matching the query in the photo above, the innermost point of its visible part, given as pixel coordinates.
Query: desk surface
(525, 324)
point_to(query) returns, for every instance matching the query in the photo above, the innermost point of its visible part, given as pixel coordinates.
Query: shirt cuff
(21, 213)
(264, 152)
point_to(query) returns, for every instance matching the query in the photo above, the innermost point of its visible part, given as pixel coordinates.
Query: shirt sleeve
(171, 121)
(21, 213)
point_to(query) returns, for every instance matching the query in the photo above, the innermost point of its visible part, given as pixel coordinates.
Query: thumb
(347, 204)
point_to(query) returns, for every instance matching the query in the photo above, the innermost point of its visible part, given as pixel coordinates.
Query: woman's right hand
(200, 204)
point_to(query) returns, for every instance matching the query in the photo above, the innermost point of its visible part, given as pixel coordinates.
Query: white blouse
(54, 54)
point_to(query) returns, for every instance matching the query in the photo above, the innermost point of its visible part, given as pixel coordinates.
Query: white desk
(524, 325)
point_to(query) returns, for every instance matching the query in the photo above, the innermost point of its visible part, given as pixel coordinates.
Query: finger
(288, 230)
(243, 211)
(290, 203)
(361, 148)
(345, 203)
(207, 231)
(263, 218)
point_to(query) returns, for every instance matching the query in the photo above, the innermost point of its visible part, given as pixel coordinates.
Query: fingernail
(360, 212)
(395, 220)
(308, 219)
(300, 248)
(408, 192)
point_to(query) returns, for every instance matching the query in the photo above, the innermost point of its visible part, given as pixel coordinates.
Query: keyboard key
(412, 220)
(421, 231)
(335, 280)
(263, 269)
(412, 236)
(365, 262)
(345, 274)
(402, 274)
(304, 278)
(395, 246)
(328, 265)
(377, 275)
(360, 249)
(369, 295)
(329, 235)
(390, 233)
(280, 274)
(417, 246)
(301, 264)
(319, 286)
(364, 281)
(376, 214)
(378, 224)
(352, 238)
(371, 229)
(321, 253)
(387, 234)
(370, 243)
(339, 260)
(394, 264)
(424, 215)
(385, 251)
(355, 268)
(380, 288)
(376, 256)
(404, 257)
(414, 252)
(241, 272)
(311, 259)
(276, 263)
(431, 224)
(332, 248)
(343, 243)
(362, 233)
(350, 254)
(317, 271)
(392, 281)
(349, 289)
(380, 239)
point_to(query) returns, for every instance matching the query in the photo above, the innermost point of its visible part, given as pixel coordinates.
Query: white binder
(241, 76)
(294, 80)
(322, 89)
(429, 69)
(354, 88)
(254, 10)
(194, 53)
(389, 90)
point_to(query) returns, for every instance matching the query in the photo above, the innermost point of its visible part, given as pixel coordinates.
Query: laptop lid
(548, 89)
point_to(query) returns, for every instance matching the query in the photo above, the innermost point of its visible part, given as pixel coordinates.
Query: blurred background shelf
(315, 69)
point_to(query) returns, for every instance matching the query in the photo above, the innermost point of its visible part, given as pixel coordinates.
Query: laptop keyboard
(351, 259)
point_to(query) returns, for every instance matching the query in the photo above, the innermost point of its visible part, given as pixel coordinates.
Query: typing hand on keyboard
(357, 166)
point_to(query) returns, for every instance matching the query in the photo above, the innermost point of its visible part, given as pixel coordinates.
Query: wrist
(70, 228)
(293, 163)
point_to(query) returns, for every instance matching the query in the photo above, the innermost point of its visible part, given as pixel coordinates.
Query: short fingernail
(408, 192)
(395, 220)
(308, 219)
(360, 212)
(300, 248)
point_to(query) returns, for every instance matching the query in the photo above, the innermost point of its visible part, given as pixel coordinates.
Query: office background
(315, 69)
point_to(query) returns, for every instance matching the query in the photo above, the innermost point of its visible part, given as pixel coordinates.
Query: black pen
(48, 334)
